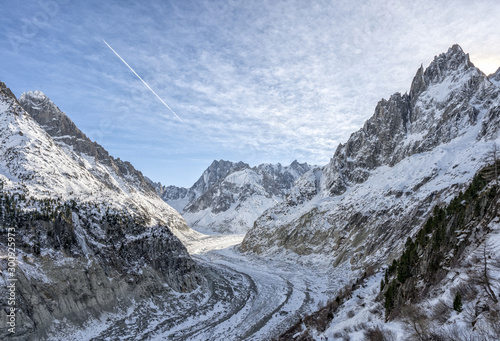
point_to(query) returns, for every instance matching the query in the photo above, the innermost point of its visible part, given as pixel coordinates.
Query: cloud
(253, 80)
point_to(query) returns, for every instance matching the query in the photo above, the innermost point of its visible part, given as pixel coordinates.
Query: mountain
(180, 197)
(443, 286)
(108, 170)
(91, 234)
(418, 149)
(495, 77)
(228, 196)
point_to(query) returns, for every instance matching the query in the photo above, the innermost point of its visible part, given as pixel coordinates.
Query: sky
(254, 81)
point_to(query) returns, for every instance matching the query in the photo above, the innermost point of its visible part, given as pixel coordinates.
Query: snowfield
(246, 297)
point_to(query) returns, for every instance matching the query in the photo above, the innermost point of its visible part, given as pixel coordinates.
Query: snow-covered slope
(90, 233)
(228, 197)
(180, 197)
(443, 287)
(68, 165)
(417, 149)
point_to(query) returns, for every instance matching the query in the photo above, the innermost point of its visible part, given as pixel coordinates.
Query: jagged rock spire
(443, 66)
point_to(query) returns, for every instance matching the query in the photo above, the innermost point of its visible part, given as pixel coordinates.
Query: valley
(246, 297)
(401, 212)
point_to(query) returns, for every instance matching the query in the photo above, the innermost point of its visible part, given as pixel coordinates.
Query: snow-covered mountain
(228, 196)
(418, 149)
(51, 157)
(180, 197)
(97, 255)
(91, 233)
(113, 172)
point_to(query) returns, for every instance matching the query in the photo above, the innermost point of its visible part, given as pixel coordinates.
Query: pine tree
(457, 302)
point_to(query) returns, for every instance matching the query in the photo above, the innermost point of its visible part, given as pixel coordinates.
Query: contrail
(142, 80)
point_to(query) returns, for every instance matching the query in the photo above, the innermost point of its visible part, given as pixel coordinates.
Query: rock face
(92, 235)
(417, 149)
(66, 133)
(228, 197)
(180, 197)
(495, 77)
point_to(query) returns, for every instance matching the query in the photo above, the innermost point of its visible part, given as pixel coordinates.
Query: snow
(359, 313)
(204, 243)
(248, 297)
(179, 204)
(442, 91)
(283, 290)
(251, 296)
(3, 107)
(246, 176)
(237, 219)
(52, 169)
(363, 310)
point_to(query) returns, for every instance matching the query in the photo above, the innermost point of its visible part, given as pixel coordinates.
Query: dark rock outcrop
(378, 187)
(91, 234)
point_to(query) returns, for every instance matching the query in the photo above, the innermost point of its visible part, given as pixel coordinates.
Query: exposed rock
(91, 234)
(384, 180)
(228, 196)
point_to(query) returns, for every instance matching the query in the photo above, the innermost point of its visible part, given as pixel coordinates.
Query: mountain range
(405, 213)
(228, 197)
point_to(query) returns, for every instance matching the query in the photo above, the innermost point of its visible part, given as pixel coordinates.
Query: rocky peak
(65, 132)
(5, 91)
(216, 171)
(46, 113)
(58, 125)
(495, 77)
(301, 167)
(439, 107)
(455, 59)
(453, 63)
(418, 85)
(370, 147)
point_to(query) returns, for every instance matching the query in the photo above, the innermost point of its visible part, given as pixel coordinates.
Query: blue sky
(256, 81)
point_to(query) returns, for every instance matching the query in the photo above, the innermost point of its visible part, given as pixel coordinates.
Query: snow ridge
(228, 197)
(417, 149)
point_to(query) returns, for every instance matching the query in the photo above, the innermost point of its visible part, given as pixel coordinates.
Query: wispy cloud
(256, 81)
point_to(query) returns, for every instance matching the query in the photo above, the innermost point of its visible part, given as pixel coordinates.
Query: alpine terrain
(418, 149)
(399, 193)
(396, 238)
(88, 232)
(229, 197)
